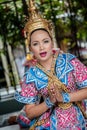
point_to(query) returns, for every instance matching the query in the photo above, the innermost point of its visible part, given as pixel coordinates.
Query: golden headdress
(35, 21)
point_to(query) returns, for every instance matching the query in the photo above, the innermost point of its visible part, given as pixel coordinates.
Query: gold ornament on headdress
(35, 22)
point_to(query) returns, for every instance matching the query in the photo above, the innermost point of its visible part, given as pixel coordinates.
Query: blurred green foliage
(69, 18)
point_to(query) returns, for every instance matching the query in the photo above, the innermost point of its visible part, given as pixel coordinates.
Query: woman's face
(41, 45)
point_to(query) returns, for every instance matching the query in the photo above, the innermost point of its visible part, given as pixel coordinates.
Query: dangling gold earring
(29, 56)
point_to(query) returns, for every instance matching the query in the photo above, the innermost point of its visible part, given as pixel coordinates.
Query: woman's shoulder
(66, 56)
(61, 53)
(29, 63)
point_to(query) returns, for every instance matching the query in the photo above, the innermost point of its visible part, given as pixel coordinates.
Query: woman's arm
(78, 95)
(33, 110)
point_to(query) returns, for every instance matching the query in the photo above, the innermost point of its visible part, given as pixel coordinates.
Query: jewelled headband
(35, 22)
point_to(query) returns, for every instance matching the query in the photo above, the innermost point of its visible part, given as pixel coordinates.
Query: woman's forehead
(39, 33)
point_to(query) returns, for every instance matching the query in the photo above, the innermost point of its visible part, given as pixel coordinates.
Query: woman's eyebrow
(34, 41)
(46, 39)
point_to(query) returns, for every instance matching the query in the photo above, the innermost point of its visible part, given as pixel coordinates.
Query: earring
(29, 56)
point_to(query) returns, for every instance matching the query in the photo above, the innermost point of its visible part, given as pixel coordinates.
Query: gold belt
(38, 123)
(64, 105)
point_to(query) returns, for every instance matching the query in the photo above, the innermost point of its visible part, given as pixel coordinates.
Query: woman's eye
(35, 44)
(46, 41)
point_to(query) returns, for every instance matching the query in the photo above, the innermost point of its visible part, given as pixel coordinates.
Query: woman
(59, 78)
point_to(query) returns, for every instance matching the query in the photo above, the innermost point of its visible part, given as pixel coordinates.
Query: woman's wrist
(65, 97)
(48, 102)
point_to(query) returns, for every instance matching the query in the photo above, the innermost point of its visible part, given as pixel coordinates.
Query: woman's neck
(47, 64)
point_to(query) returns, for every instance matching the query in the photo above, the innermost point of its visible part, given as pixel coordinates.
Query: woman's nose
(41, 46)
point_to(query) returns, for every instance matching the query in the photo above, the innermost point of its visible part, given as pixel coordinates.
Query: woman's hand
(52, 94)
(55, 94)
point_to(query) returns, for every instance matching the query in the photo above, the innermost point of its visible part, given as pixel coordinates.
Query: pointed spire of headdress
(33, 12)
